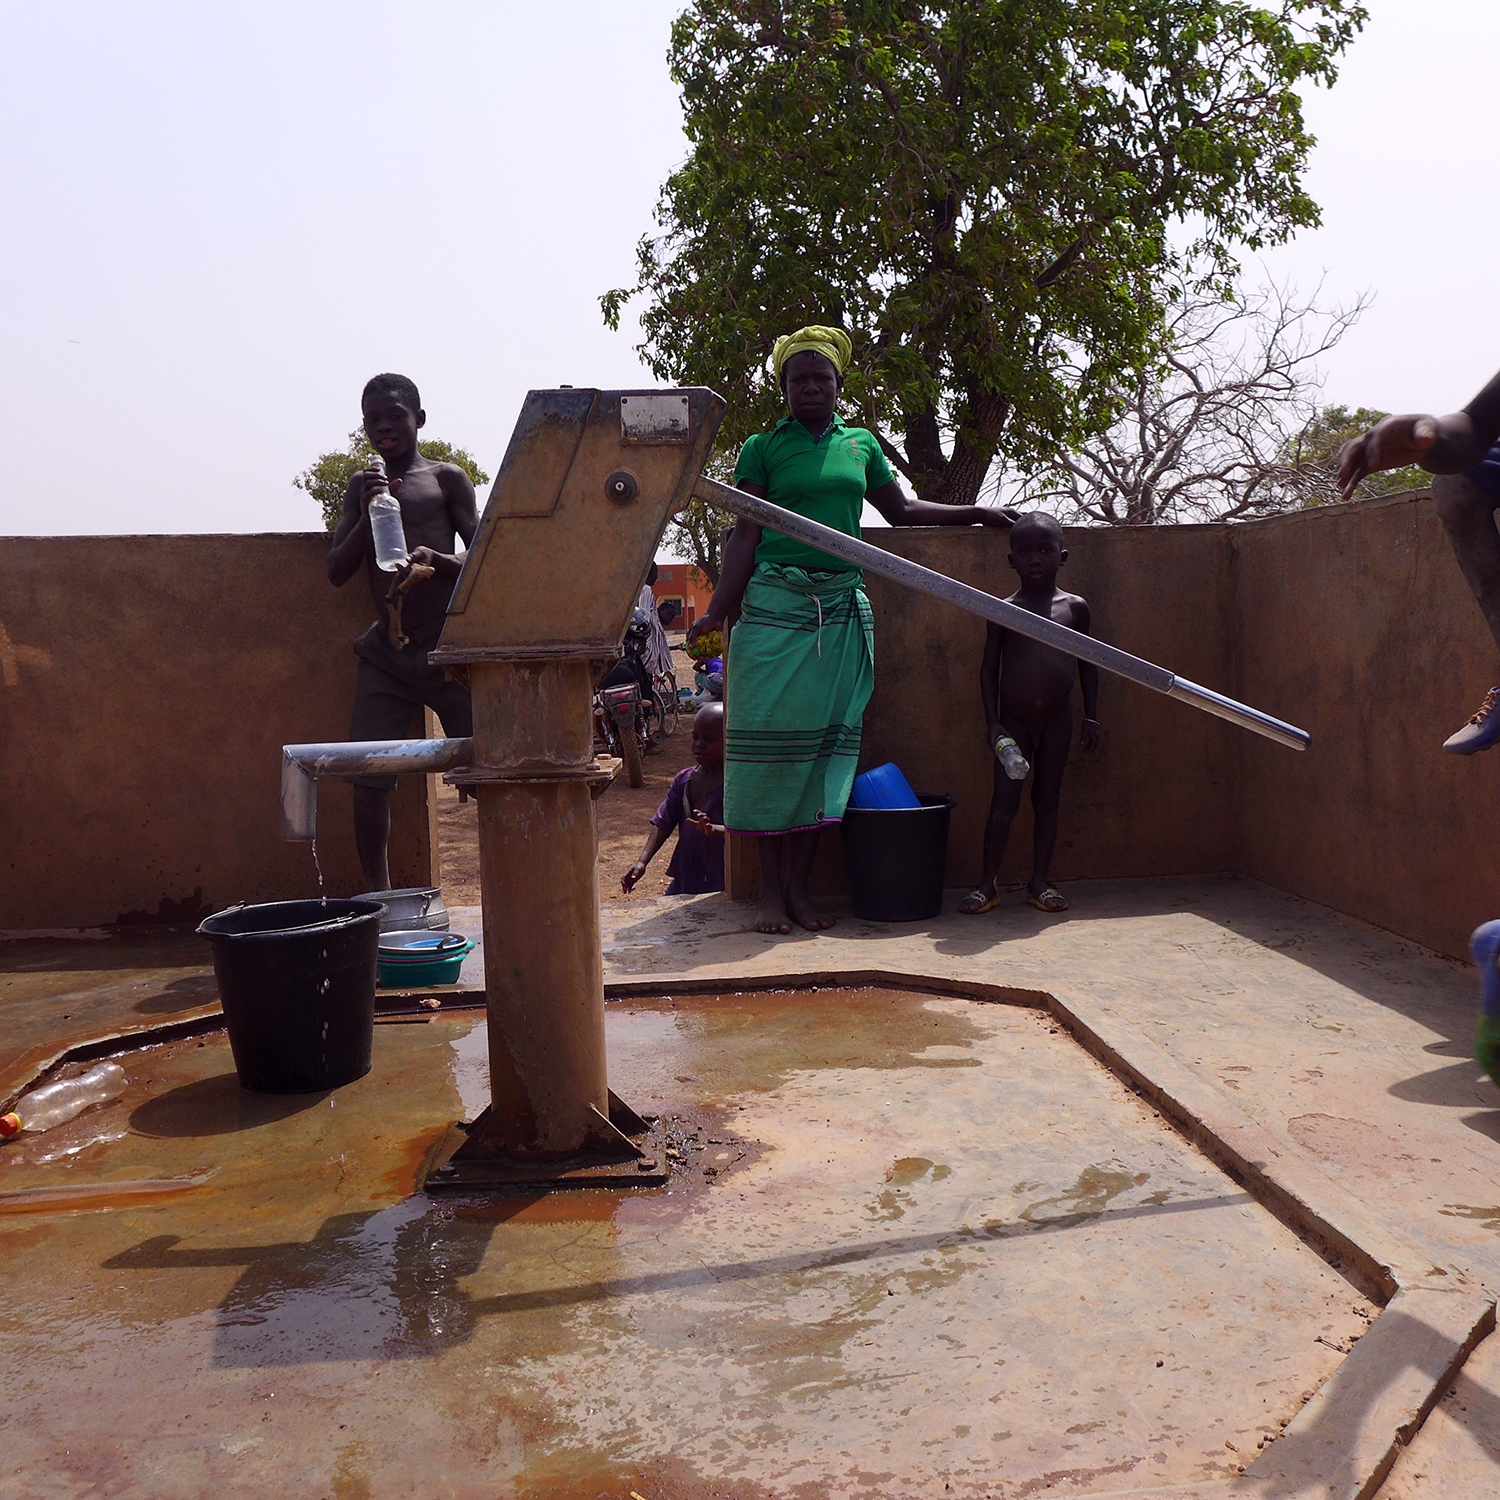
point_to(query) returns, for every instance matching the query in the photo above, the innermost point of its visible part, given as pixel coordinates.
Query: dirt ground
(624, 816)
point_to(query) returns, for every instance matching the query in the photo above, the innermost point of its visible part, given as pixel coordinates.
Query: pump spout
(301, 765)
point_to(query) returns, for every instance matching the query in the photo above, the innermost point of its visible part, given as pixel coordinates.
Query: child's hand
(632, 875)
(701, 821)
(373, 481)
(1090, 734)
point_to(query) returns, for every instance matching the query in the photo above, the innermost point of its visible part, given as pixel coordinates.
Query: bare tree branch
(1213, 431)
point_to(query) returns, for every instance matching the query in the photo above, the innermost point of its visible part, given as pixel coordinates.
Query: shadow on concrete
(386, 1284)
(157, 947)
(216, 1106)
(1487, 1124)
(179, 995)
(1314, 1449)
(1460, 1083)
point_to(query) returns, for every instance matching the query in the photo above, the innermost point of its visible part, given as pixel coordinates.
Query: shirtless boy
(1027, 692)
(437, 505)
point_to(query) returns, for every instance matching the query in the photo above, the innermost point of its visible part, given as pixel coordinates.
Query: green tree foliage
(1318, 445)
(327, 478)
(697, 532)
(982, 193)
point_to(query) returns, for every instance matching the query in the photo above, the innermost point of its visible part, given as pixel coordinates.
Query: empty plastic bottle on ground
(1008, 753)
(57, 1103)
(385, 525)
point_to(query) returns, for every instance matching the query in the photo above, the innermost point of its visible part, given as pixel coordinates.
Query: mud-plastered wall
(1355, 623)
(1157, 795)
(147, 684)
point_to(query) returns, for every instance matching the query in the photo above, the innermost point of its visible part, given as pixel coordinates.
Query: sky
(220, 220)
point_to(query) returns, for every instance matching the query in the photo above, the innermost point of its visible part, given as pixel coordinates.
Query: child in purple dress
(694, 806)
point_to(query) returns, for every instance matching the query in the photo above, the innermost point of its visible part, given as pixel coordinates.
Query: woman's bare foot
(802, 911)
(771, 918)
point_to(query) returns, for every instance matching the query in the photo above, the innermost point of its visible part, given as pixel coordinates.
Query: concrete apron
(911, 1241)
(366, 1303)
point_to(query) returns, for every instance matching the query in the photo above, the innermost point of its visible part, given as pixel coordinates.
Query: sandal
(1051, 899)
(976, 903)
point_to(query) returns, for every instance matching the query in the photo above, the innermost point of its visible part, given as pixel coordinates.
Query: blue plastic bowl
(884, 787)
(422, 968)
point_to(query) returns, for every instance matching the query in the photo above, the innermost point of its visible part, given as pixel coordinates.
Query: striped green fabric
(800, 669)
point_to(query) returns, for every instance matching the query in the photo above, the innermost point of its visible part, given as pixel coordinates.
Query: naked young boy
(1027, 692)
(395, 677)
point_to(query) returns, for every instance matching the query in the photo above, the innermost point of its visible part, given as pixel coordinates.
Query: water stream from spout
(319, 868)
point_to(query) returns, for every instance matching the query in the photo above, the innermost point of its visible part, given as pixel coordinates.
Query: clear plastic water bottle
(385, 525)
(57, 1103)
(1008, 753)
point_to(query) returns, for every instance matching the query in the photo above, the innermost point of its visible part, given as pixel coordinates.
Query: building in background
(687, 587)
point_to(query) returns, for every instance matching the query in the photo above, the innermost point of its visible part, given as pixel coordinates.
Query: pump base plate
(637, 1159)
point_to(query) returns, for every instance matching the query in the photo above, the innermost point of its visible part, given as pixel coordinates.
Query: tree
(1223, 426)
(327, 478)
(698, 531)
(976, 191)
(1319, 443)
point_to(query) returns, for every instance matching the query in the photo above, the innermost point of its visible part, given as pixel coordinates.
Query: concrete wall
(1355, 623)
(1350, 621)
(1165, 596)
(147, 684)
(146, 690)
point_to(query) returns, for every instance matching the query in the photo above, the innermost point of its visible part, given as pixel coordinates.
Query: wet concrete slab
(1333, 1053)
(1351, 1047)
(913, 1245)
(59, 990)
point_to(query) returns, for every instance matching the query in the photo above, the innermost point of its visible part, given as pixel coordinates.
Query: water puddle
(97, 1195)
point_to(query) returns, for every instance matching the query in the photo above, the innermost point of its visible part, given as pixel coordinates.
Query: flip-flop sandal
(986, 903)
(1051, 899)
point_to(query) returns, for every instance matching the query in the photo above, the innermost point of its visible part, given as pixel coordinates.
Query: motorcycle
(622, 711)
(620, 722)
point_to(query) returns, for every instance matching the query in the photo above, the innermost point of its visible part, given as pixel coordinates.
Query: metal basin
(411, 907)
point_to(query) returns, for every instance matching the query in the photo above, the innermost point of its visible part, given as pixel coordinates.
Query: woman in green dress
(801, 662)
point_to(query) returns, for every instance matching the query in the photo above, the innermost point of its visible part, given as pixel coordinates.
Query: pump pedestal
(547, 590)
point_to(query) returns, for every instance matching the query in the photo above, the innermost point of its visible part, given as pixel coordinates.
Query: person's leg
(372, 834)
(802, 847)
(1047, 768)
(384, 706)
(1004, 802)
(1468, 513)
(771, 915)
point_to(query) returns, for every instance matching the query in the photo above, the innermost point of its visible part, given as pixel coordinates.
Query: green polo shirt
(825, 481)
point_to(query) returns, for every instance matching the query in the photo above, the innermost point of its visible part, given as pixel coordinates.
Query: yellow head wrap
(832, 343)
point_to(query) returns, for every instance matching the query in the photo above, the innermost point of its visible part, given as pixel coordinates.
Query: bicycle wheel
(667, 703)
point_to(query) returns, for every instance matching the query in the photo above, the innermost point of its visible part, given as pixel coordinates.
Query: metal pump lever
(1012, 616)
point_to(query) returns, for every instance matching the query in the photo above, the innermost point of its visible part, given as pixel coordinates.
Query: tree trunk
(924, 452)
(973, 450)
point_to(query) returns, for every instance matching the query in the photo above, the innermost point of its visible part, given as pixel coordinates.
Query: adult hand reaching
(1392, 443)
(701, 626)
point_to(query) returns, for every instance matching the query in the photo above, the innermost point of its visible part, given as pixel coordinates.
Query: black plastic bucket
(297, 979)
(894, 858)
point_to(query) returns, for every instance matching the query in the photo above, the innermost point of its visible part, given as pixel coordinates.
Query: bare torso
(437, 510)
(1036, 681)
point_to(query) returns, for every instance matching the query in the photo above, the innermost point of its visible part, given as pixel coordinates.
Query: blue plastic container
(884, 787)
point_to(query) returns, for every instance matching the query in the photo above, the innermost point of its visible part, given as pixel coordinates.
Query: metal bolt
(621, 487)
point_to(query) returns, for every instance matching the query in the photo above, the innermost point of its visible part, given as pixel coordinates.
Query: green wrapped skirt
(800, 669)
